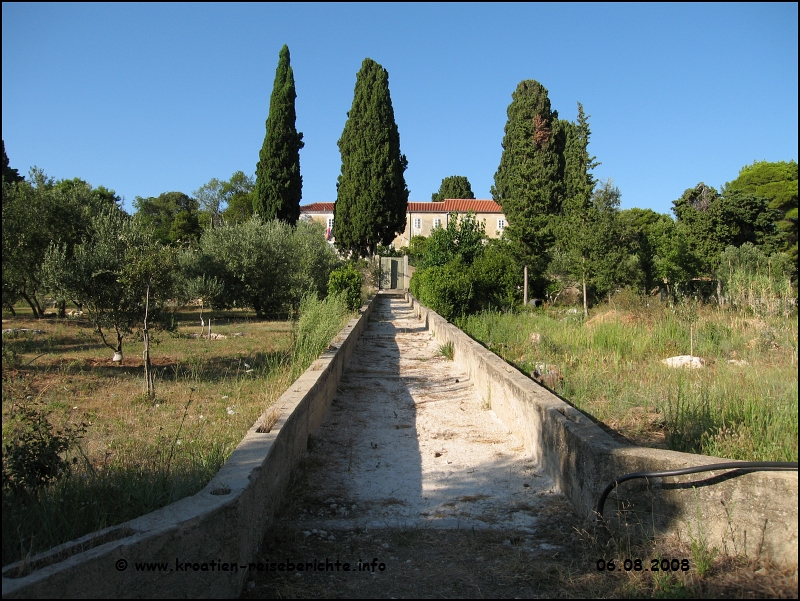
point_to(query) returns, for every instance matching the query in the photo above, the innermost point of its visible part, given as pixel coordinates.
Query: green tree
(109, 274)
(713, 221)
(576, 233)
(455, 186)
(529, 182)
(279, 185)
(463, 238)
(636, 235)
(371, 191)
(172, 216)
(266, 265)
(9, 175)
(674, 260)
(777, 182)
(37, 213)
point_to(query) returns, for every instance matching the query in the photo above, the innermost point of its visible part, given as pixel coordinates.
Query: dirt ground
(413, 488)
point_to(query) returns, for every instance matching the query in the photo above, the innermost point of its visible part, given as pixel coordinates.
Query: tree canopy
(712, 221)
(229, 200)
(172, 216)
(9, 175)
(279, 185)
(529, 182)
(40, 212)
(371, 195)
(777, 182)
(454, 186)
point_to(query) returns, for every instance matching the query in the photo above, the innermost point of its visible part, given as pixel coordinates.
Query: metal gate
(393, 273)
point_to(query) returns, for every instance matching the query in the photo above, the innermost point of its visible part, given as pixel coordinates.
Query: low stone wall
(203, 545)
(752, 513)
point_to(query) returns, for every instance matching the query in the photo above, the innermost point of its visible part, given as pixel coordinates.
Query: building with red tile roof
(423, 217)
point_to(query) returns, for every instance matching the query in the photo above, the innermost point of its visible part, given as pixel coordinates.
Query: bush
(347, 281)
(497, 279)
(448, 290)
(32, 451)
(493, 281)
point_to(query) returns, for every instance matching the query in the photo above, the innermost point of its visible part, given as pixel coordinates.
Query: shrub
(32, 450)
(347, 281)
(497, 279)
(448, 290)
(494, 280)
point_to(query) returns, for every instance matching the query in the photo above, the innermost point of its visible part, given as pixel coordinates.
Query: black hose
(755, 466)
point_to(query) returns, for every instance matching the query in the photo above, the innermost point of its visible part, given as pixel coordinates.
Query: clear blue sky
(153, 98)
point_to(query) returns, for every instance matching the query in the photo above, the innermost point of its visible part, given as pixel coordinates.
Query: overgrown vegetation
(83, 449)
(742, 405)
(347, 281)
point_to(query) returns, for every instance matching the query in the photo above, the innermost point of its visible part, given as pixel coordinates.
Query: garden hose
(750, 466)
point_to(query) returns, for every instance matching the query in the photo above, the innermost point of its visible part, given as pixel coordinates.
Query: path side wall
(753, 514)
(205, 542)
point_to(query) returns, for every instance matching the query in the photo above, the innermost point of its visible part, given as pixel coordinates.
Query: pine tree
(279, 185)
(529, 181)
(372, 195)
(455, 186)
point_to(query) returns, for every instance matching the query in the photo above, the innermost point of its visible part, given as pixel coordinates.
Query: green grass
(137, 455)
(612, 370)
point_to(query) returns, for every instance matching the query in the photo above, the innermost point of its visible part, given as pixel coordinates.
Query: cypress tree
(279, 185)
(372, 196)
(578, 180)
(529, 183)
(576, 235)
(10, 175)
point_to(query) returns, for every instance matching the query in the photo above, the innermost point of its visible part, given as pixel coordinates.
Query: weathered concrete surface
(753, 514)
(217, 531)
(409, 442)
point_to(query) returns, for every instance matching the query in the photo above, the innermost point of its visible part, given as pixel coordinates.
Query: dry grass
(208, 393)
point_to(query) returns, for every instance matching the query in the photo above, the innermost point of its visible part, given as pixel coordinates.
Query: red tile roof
(318, 207)
(448, 206)
(458, 205)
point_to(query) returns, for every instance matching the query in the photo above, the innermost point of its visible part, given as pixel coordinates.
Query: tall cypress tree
(576, 235)
(279, 185)
(529, 182)
(371, 195)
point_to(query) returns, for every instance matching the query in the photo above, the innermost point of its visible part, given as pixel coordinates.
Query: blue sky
(153, 98)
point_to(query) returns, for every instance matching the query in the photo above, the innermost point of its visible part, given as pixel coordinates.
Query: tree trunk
(149, 383)
(33, 305)
(585, 300)
(62, 309)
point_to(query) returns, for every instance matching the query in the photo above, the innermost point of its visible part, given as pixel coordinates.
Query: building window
(329, 231)
(501, 224)
(437, 222)
(417, 223)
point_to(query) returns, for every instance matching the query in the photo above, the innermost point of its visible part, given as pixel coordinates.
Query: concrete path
(408, 443)
(417, 488)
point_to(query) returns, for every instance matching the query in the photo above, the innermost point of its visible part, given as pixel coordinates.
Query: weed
(701, 554)
(612, 369)
(446, 351)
